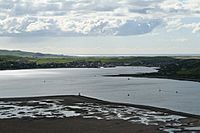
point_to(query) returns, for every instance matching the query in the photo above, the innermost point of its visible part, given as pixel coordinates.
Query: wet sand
(79, 114)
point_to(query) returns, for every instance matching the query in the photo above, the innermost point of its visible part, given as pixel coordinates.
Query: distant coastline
(154, 75)
(174, 66)
(136, 55)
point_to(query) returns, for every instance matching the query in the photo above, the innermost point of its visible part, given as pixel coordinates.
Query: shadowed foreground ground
(72, 125)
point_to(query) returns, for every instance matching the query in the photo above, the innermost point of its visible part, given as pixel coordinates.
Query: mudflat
(80, 114)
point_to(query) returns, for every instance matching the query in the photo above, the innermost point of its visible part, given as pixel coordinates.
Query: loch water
(172, 94)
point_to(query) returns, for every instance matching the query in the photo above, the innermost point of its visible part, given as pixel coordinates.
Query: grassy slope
(129, 60)
(16, 53)
(19, 53)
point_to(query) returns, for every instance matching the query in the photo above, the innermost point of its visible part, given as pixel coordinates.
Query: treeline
(12, 65)
(13, 62)
(183, 69)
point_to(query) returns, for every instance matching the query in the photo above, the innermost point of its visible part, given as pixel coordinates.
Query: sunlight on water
(90, 82)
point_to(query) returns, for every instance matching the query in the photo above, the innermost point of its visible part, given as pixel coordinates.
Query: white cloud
(193, 5)
(94, 17)
(171, 5)
(194, 26)
(37, 26)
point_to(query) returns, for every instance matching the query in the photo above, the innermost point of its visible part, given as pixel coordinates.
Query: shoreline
(58, 68)
(150, 75)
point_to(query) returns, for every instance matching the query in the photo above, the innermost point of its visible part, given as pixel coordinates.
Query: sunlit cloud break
(96, 17)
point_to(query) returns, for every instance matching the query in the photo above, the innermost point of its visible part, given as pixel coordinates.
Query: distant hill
(29, 54)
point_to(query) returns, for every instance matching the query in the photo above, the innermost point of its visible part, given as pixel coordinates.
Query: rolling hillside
(19, 53)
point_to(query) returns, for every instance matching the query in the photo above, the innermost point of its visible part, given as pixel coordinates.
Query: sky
(101, 26)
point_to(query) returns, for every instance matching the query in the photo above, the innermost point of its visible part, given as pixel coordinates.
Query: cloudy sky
(101, 26)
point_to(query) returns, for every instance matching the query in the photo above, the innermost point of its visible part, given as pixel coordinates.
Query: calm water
(90, 82)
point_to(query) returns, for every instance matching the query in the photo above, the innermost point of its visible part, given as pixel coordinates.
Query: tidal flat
(79, 113)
